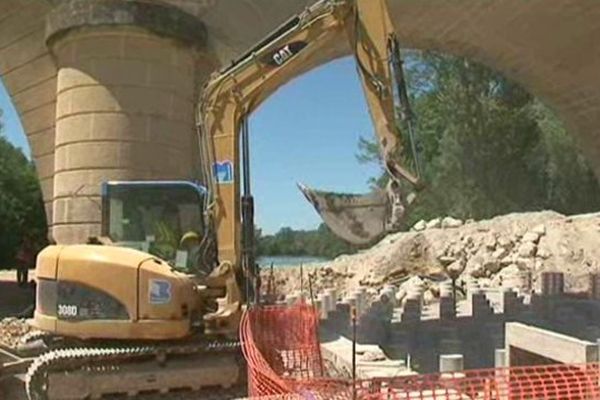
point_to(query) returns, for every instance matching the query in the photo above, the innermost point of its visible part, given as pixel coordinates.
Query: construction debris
(12, 330)
(506, 251)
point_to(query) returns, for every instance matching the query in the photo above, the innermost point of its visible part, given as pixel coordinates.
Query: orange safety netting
(281, 346)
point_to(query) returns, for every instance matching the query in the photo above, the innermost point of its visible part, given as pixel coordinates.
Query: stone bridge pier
(125, 99)
(106, 89)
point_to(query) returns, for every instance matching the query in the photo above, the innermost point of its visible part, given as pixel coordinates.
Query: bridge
(106, 89)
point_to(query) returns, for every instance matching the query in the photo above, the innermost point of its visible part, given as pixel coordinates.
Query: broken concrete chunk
(527, 249)
(434, 223)
(543, 253)
(450, 222)
(446, 260)
(456, 268)
(491, 266)
(420, 226)
(531, 236)
(500, 253)
(539, 229)
(505, 242)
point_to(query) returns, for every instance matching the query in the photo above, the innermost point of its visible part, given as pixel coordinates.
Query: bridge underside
(551, 49)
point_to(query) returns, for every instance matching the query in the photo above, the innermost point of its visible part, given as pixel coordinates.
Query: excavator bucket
(358, 219)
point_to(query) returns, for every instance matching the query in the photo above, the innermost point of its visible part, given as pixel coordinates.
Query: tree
(288, 242)
(21, 206)
(488, 147)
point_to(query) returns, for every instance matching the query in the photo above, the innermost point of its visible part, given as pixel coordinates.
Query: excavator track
(210, 370)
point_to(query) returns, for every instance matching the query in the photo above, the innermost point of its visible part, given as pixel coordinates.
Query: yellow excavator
(154, 303)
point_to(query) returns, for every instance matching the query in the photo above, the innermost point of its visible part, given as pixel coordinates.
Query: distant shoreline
(289, 261)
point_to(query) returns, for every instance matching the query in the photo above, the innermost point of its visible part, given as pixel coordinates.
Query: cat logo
(280, 56)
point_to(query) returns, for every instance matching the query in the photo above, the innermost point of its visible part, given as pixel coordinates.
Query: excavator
(154, 303)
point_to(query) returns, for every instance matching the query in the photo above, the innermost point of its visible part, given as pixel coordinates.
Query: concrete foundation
(451, 362)
(476, 328)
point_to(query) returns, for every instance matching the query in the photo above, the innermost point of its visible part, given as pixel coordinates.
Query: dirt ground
(13, 299)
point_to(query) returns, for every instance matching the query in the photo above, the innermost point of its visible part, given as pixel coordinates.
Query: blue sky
(12, 124)
(306, 132)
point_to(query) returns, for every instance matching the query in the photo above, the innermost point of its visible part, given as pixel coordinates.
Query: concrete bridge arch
(552, 49)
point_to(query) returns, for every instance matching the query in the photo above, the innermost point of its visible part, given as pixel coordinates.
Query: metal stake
(310, 291)
(353, 317)
(301, 283)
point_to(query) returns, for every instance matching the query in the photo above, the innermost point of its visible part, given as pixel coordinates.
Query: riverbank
(289, 261)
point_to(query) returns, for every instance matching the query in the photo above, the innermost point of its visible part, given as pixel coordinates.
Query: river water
(289, 261)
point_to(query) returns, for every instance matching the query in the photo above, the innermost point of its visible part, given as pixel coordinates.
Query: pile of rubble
(12, 330)
(506, 251)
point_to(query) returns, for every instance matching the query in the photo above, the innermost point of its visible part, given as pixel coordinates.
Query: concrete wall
(547, 344)
(551, 49)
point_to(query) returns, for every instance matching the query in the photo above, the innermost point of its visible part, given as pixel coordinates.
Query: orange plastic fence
(282, 349)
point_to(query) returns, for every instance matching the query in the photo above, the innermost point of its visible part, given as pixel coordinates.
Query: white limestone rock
(532, 237)
(500, 253)
(450, 222)
(434, 223)
(539, 229)
(419, 226)
(527, 249)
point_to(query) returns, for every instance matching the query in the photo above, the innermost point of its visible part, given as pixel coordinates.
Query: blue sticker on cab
(159, 291)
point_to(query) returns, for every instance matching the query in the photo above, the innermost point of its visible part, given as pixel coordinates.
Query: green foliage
(288, 242)
(487, 147)
(21, 207)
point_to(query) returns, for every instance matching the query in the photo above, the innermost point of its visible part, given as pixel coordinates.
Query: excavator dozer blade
(357, 219)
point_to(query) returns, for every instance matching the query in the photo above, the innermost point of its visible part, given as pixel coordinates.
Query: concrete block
(154, 49)
(26, 49)
(28, 17)
(447, 308)
(42, 143)
(451, 362)
(29, 75)
(446, 289)
(500, 358)
(480, 305)
(553, 283)
(594, 286)
(36, 96)
(39, 119)
(412, 311)
(550, 345)
(75, 234)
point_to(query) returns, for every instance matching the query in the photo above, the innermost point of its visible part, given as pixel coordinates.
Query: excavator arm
(363, 219)
(234, 92)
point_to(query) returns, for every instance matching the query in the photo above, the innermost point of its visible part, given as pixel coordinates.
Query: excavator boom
(232, 94)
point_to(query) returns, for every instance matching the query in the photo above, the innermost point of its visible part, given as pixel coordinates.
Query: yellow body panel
(112, 269)
(159, 301)
(182, 299)
(46, 262)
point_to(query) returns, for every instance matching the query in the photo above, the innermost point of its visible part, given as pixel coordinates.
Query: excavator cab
(145, 281)
(157, 217)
